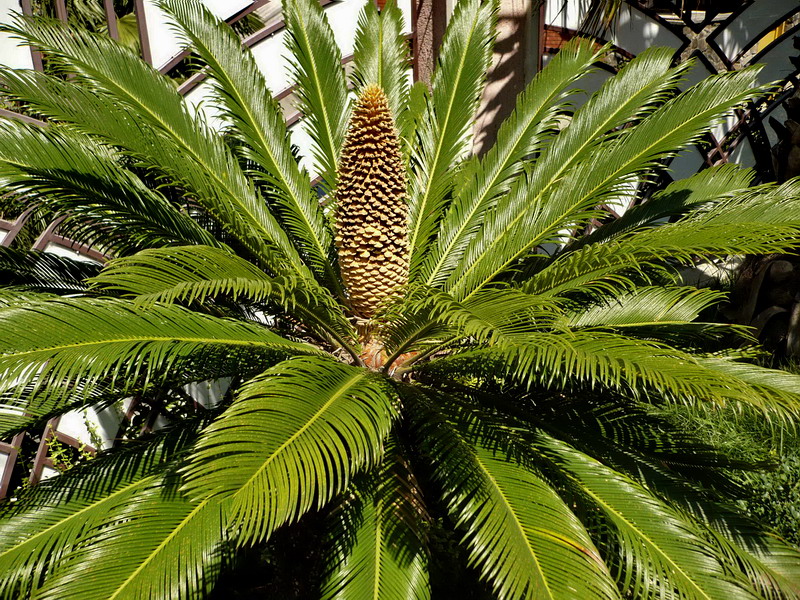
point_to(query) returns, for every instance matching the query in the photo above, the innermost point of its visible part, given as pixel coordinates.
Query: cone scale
(371, 208)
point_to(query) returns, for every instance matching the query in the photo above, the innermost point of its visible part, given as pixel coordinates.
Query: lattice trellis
(720, 36)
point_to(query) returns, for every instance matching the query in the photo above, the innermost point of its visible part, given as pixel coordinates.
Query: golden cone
(371, 209)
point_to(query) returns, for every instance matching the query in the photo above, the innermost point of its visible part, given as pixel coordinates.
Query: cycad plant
(418, 342)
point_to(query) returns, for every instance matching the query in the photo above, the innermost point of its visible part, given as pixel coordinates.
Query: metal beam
(111, 19)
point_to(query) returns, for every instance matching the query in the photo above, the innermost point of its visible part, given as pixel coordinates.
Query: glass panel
(60, 250)
(270, 54)
(635, 32)
(343, 17)
(686, 164)
(563, 14)
(753, 21)
(11, 54)
(776, 61)
(163, 42)
(201, 99)
(48, 472)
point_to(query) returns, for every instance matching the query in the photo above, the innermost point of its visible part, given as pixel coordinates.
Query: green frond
(596, 358)
(20, 296)
(659, 547)
(676, 200)
(521, 536)
(644, 82)
(444, 132)
(768, 564)
(546, 206)
(380, 57)
(320, 82)
(766, 203)
(419, 98)
(647, 307)
(608, 266)
(524, 373)
(776, 386)
(663, 313)
(43, 272)
(130, 104)
(495, 313)
(597, 423)
(258, 123)
(377, 536)
(56, 344)
(25, 410)
(158, 545)
(525, 133)
(201, 273)
(78, 178)
(53, 519)
(292, 439)
(599, 15)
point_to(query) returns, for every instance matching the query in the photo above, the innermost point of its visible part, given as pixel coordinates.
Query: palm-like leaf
(508, 390)
(520, 534)
(662, 544)
(57, 343)
(159, 535)
(524, 133)
(258, 123)
(42, 272)
(147, 103)
(610, 265)
(377, 536)
(56, 517)
(381, 57)
(677, 199)
(649, 306)
(768, 565)
(636, 366)
(525, 220)
(293, 438)
(201, 273)
(444, 131)
(494, 316)
(73, 175)
(319, 77)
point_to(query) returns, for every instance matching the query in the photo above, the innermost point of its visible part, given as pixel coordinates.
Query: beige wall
(513, 64)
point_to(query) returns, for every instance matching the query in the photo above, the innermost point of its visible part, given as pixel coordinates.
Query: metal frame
(36, 56)
(180, 56)
(51, 236)
(111, 19)
(750, 123)
(12, 452)
(141, 25)
(42, 459)
(12, 228)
